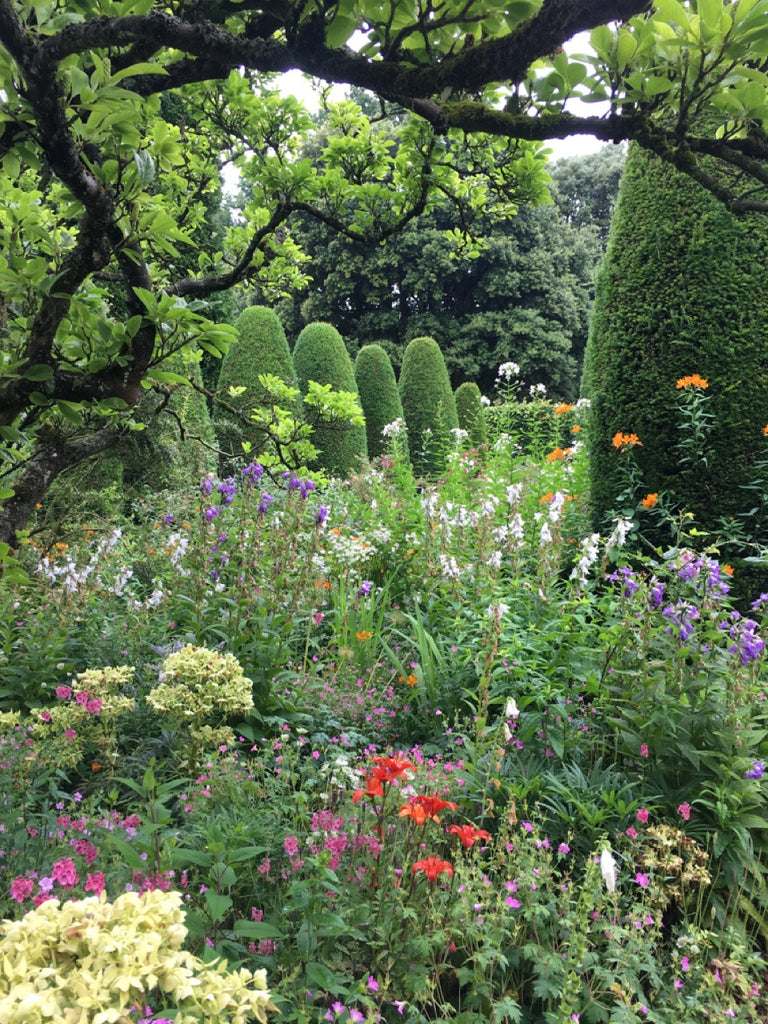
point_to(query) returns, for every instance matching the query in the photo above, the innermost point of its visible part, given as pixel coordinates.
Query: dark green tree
(319, 355)
(262, 348)
(378, 393)
(683, 290)
(469, 409)
(429, 406)
(585, 188)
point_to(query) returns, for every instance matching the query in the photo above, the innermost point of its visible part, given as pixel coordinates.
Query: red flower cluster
(422, 808)
(385, 771)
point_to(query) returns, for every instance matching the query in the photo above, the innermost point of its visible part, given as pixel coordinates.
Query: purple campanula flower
(365, 588)
(253, 472)
(211, 512)
(756, 771)
(266, 501)
(321, 515)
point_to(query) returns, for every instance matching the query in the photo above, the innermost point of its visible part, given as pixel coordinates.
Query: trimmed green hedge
(262, 348)
(429, 407)
(469, 409)
(320, 355)
(379, 397)
(683, 290)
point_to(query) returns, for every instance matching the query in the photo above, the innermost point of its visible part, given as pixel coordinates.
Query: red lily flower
(468, 834)
(432, 867)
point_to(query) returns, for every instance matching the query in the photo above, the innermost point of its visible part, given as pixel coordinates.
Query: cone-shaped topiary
(683, 290)
(471, 413)
(320, 355)
(429, 407)
(379, 397)
(262, 348)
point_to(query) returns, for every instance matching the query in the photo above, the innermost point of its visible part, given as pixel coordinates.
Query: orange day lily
(422, 807)
(432, 867)
(468, 834)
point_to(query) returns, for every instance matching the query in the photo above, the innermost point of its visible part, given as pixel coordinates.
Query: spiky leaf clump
(683, 290)
(320, 355)
(429, 407)
(379, 396)
(469, 409)
(262, 348)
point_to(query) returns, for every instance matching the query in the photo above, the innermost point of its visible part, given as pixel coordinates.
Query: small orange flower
(765, 429)
(40, 505)
(95, 766)
(575, 429)
(650, 501)
(546, 498)
(622, 441)
(553, 456)
(728, 570)
(563, 407)
(411, 680)
(364, 634)
(694, 381)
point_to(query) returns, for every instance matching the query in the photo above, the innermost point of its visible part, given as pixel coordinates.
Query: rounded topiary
(683, 290)
(261, 348)
(320, 355)
(429, 407)
(469, 409)
(379, 396)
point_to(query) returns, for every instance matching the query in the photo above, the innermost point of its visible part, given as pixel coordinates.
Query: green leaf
(243, 853)
(134, 70)
(318, 976)
(181, 857)
(39, 372)
(71, 411)
(218, 904)
(257, 930)
(339, 31)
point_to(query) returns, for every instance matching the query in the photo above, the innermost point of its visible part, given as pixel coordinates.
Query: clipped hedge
(262, 348)
(683, 290)
(429, 407)
(320, 355)
(379, 396)
(469, 409)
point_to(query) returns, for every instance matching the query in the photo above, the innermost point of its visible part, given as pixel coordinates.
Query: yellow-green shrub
(91, 962)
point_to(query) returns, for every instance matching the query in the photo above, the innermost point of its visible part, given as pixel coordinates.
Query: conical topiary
(261, 348)
(320, 355)
(469, 408)
(379, 396)
(429, 407)
(683, 290)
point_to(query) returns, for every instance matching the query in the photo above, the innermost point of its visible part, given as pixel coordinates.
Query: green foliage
(320, 356)
(262, 348)
(668, 306)
(379, 396)
(428, 404)
(471, 414)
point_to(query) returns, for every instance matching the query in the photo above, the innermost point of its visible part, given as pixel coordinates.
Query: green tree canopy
(103, 193)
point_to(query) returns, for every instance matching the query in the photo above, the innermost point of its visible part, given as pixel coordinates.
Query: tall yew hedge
(379, 397)
(261, 348)
(320, 355)
(429, 405)
(683, 290)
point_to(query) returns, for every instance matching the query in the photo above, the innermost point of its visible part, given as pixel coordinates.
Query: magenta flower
(641, 879)
(65, 873)
(63, 692)
(95, 883)
(21, 888)
(684, 810)
(642, 816)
